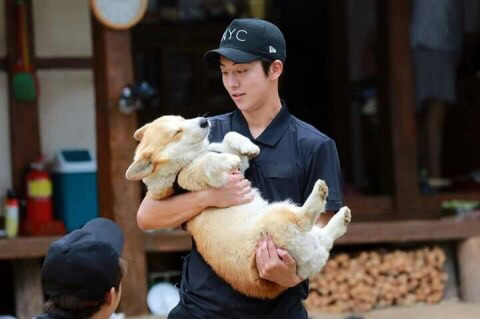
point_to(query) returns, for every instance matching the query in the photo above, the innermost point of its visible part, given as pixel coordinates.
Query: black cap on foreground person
(82, 272)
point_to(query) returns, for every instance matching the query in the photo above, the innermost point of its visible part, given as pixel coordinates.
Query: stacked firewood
(378, 279)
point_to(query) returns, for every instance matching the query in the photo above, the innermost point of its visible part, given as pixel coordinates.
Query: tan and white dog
(172, 147)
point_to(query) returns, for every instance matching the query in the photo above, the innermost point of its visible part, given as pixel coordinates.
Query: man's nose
(232, 81)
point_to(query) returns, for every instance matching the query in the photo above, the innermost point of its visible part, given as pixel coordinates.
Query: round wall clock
(119, 14)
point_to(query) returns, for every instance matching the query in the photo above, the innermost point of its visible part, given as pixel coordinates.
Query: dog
(173, 149)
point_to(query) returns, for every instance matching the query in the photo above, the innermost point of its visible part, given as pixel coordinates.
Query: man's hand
(236, 191)
(276, 264)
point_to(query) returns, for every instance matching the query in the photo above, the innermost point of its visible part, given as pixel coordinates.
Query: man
(82, 272)
(293, 156)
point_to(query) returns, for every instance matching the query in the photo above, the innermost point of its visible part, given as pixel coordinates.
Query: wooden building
(396, 212)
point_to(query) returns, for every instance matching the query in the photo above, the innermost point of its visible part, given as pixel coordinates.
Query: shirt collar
(274, 131)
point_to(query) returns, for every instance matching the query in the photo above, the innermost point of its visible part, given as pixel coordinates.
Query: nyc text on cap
(247, 40)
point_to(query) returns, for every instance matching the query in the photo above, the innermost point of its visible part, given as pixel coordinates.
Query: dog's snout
(203, 123)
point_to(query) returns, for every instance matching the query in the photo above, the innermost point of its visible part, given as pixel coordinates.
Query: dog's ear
(139, 169)
(138, 135)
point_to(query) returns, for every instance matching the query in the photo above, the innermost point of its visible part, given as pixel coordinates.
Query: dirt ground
(445, 310)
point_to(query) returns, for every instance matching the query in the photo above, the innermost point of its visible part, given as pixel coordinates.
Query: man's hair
(72, 307)
(266, 64)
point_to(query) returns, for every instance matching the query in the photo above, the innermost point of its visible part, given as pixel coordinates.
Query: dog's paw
(321, 189)
(217, 171)
(241, 145)
(229, 162)
(347, 216)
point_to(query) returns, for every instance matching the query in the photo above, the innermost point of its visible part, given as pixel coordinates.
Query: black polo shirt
(293, 155)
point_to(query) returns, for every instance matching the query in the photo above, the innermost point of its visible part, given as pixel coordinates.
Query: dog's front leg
(208, 170)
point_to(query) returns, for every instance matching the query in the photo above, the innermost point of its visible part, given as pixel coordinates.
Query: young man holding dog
(293, 156)
(82, 272)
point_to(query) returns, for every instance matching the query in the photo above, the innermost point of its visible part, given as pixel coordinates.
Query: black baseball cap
(247, 40)
(84, 263)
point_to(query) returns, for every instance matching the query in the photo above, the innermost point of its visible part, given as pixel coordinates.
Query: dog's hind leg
(313, 206)
(337, 225)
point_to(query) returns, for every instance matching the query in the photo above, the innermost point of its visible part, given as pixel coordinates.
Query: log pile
(377, 279)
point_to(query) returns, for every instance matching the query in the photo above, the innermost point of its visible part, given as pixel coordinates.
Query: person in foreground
(82, 272)
(293, 155)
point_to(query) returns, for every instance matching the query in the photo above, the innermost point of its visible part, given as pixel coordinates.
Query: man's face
(246, 83)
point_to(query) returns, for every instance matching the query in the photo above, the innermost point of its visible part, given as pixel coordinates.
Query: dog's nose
(204, 123)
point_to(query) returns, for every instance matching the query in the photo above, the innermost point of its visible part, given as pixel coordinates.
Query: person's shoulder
(309, 134)
(44, 316)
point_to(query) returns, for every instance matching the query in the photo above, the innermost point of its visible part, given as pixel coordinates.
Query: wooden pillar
(28, 288)
(119, 199)
(340, 82)
(23, 116)
(468, 261)
(397, 72)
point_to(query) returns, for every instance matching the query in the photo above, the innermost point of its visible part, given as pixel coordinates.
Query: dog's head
(167, 145)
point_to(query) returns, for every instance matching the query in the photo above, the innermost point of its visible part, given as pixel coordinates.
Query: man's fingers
(285, 256)
(272, 250)
(261, 256)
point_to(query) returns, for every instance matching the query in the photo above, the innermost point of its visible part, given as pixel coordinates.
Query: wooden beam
(25, 247)
(413, 230)
(400, 102)
(468, 261)
(64, 63)
(358, 233)
(119, 199)
(168, 241)
(25, 144)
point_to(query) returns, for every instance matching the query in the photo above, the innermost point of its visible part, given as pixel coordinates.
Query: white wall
(66, 100)
(67, 112)
(62, 28)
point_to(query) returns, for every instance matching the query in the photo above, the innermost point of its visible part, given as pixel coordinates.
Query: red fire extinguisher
(39, 194)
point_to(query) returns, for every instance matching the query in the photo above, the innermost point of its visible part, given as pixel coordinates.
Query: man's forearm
(171, 212)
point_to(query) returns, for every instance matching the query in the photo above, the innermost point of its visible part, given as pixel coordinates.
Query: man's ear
(276, 69)
(139, 169)
(109, 296)
(138, 135)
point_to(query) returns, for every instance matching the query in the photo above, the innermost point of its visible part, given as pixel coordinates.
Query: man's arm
(175, 210)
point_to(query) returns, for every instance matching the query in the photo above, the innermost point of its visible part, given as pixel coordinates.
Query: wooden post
(399, 99)
(340, 82)
(24, 125)
(119, 199)
(468, 261)
(28, 288)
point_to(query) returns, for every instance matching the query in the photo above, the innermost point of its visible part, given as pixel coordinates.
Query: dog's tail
(313, 206)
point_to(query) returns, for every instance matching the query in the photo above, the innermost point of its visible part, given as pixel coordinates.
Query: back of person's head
(83, 270)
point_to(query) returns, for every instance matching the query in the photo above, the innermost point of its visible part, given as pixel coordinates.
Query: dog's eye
(176, 133)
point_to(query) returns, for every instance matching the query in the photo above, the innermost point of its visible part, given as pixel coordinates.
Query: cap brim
(232, 54)
(106, 231)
